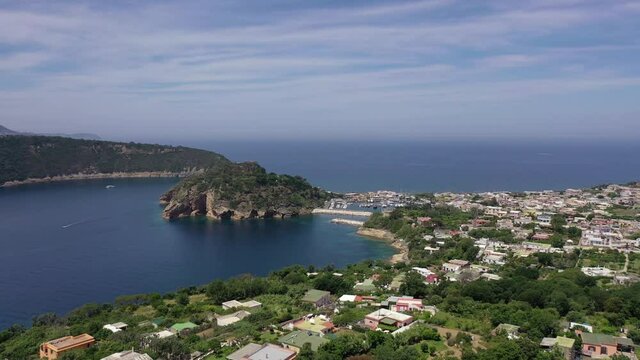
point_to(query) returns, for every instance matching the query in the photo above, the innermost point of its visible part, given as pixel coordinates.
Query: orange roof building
(51, 350)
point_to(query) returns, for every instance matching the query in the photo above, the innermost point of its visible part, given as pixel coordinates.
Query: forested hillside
(28, 157)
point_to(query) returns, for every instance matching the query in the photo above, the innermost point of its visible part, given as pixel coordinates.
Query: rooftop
(245, 351)
(70, 341)
(384, 313)
(299, 338)
(272, 352)
(127, 355)
(316, 325)
(596, 338)
(313, 295)
(183, 326)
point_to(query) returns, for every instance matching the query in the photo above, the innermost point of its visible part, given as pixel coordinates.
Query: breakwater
(347, 222)
(342, 212)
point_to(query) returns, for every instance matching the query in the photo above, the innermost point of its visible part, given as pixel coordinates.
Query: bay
(70, 243)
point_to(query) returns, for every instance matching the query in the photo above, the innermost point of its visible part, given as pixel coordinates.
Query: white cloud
(399, 57)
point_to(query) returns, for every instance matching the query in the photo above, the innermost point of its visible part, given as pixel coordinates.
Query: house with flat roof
(51, 350)
(564, 344)
(262, 352)
(318, 324)
(180, 327)
(127, 355)
(455, 266)
(349, 298)
(319, 298)
(387, 317)
(162, 334)
(224, 320)
(244, 351)
(407, 304)
(296, 340)
(232, 304)
(116, 327)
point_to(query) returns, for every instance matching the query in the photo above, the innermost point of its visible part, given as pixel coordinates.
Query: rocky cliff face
(241, 191)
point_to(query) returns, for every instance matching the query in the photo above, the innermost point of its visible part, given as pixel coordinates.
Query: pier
(342, 212)
(347, 222)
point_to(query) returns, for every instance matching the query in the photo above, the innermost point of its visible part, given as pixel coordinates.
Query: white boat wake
(82, 222)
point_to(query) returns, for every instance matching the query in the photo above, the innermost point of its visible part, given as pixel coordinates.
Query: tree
(414, 285)
(334, 284)
(557, 241)
(342, 347)
(305, 352)
(574, 232)
(182, 299)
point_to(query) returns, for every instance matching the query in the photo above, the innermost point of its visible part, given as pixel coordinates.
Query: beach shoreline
(401, 247)
(99, 176)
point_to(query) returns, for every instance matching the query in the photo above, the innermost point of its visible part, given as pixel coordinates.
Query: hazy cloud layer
(229, 69)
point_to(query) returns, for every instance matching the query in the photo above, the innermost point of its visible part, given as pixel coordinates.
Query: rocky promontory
(241, 191)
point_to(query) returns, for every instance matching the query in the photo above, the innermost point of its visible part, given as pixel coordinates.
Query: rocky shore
(398, 244)
(210, 205)
(94, 176)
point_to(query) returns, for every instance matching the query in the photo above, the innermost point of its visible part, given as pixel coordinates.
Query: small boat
(109, 186)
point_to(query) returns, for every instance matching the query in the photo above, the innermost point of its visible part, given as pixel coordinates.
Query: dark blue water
(116, 243)
(432, 166)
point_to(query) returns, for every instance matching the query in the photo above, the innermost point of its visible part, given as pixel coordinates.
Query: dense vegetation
(24, 157)
(243, 188)
(530, 295)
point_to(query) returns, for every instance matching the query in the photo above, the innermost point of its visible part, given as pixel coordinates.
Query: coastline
(98, 176)
(377, 234)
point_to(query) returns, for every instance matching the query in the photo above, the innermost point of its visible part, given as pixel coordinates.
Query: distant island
(214, 186)
(4, 131)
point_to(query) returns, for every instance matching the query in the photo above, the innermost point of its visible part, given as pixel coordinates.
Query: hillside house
(318, 298)
(387, 317)
(53, 349)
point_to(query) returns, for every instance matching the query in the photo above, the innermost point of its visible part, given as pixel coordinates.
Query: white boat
(110, 186)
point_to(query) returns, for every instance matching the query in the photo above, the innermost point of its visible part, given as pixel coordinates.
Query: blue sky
(322, 69)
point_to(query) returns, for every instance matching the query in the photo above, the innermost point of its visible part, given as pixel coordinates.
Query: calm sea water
(66, 244)
(433, 166)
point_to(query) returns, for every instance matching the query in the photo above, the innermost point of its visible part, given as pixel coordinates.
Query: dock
(347, 222)
(342, 212)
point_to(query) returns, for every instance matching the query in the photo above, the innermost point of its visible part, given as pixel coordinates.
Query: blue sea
(66, 244)
(438, 165)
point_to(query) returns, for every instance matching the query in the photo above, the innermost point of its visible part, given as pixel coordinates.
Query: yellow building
(51, 350)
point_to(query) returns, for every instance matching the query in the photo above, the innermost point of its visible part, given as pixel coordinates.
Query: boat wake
(82, 222)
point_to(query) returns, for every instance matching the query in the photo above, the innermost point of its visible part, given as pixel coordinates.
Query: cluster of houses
(53, 349)
(594, 345)
(588, 210)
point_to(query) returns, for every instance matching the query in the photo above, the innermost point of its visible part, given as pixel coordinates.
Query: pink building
(408, 304)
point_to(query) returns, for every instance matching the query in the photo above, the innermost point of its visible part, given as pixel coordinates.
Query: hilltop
(5, 131)
(241, 191)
